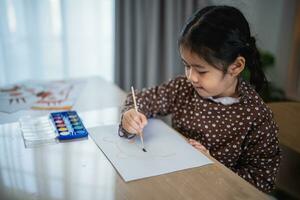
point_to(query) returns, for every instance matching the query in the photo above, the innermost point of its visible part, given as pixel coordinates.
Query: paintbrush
(136, 109)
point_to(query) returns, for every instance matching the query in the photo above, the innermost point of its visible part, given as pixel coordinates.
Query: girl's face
(207, 80)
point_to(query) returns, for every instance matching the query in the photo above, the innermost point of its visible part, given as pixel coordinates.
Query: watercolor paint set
(58, 126)
(68, 125)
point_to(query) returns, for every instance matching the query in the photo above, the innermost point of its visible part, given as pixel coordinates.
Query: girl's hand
(133, 121)
(198, 146)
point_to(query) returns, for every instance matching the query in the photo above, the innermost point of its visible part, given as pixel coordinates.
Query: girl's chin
(202, 92)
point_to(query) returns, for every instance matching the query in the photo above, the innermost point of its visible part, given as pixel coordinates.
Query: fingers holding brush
(134, 122)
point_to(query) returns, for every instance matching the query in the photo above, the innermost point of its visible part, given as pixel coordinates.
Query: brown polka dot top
(242, 136)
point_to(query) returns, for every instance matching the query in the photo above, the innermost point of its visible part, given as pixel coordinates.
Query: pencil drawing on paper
(132, 148)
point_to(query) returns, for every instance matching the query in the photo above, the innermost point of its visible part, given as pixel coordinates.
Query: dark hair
(219, 34)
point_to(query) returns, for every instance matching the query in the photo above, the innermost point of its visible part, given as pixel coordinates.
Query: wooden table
(79, 170)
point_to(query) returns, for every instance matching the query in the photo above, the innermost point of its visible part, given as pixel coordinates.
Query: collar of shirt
(225, 100)
(242, 90)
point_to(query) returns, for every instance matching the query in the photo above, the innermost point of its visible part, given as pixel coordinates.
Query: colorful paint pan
(78, 127)
(60, 125)
(80, 132)
(62, 129)
(59, 121)
(64, 133)
(74, 120)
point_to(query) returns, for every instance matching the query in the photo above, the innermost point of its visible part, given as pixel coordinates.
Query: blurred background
(134, 42)
(56, 39)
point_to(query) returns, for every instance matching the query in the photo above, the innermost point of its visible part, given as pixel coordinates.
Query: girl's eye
(202, 72)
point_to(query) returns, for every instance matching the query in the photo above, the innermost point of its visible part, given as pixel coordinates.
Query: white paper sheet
(166, 152)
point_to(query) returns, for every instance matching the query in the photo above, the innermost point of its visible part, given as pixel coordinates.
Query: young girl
(212, 105)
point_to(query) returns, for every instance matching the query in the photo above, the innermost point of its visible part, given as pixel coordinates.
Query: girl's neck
(231, 91)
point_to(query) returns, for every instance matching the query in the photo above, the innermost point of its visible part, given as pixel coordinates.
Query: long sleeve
(159, 100)
(259, 161)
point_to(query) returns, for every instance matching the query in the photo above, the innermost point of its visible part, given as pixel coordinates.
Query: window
(56, 39)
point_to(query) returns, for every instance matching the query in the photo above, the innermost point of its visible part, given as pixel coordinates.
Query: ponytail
(254, 65)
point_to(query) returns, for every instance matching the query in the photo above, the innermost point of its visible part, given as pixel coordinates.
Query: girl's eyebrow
(193, 65)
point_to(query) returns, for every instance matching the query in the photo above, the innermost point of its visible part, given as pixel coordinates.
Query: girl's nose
(191, 75)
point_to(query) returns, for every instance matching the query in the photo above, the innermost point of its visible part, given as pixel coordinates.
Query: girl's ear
(237, 66)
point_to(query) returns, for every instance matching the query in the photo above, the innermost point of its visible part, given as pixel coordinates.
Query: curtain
(146, 33)
(55, 39)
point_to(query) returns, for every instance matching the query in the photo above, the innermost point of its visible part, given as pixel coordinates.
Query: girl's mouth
(198, 88)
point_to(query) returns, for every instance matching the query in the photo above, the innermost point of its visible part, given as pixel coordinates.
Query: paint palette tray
(58, 126)
(37, 131)
(68, 125)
